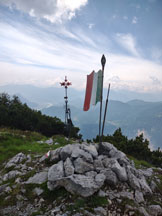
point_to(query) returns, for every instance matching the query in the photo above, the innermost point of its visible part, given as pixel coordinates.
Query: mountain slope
(133, 117)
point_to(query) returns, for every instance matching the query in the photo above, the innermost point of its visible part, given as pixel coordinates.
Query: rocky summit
(82, 180)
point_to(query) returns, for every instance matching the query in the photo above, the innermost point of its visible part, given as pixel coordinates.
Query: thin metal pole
(66, 101)
(107, 99)
(103, 61)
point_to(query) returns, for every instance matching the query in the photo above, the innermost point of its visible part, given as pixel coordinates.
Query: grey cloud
(52, 10)
(40, 7)
(115, 79)
(155, 80)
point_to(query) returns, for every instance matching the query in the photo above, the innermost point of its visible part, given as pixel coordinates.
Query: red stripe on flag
(88, 91)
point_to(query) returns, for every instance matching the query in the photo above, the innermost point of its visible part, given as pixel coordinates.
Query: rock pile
(83, 169)
(86, 170)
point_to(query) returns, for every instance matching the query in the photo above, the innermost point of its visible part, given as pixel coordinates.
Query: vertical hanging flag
(93, 89)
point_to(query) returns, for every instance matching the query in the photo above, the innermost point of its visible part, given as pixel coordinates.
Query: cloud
(52, 10)
(114, 16)
(91, 25)
(132, 73)
(128, 42)
(156, 53)
(138, 6)
(125, 17)
(155, 80)
(43, 55)
(134, 20)
(146, 136)
(114, 79)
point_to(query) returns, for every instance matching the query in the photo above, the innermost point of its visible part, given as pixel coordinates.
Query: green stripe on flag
(99, 86)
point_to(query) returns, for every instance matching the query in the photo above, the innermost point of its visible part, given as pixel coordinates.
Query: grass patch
(29, 194)
(51, 196)
(12, 197)
(36, 213)
(126, 201)
(159, 184)
(140, 163)
(61, 140)
(28, 175)
(15, 141)
(73, 202)
(88, 203)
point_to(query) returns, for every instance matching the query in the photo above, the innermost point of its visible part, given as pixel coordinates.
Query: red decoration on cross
(66, 83)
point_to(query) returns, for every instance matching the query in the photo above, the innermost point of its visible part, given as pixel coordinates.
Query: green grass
(159, 184)
(89, 203)
(15, 141)
(140, 163)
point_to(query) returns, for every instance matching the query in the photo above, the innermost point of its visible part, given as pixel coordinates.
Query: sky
(41, 41)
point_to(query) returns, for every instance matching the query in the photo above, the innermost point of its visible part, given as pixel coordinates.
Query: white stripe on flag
(94, 88)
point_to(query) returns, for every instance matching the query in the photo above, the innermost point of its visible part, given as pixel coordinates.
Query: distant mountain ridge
(133, 116)
(41, 95)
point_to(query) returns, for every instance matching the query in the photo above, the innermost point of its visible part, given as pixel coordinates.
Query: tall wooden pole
(103, 62)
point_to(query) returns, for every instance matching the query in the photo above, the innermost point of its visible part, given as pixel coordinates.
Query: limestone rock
(106, 162)
(55, 155)
(143, 211)
(139, 196)
(155, 210)
(82, 166)
(56, 171)
(114, 153)
(15, 160)
(38, 178)
(8, 189)
(3, 187)
(38, 191)
(77, 152)
(111, 178)
(49, 141)
(90, 149)
(147, 172)
(105, 148)
(100, 211)
(153, 185)
(79, 184)
(101, 193)
(119, 171)
(125, 194)
(100, 179)
(133, 180)
(68, 166)
(10, 175)
(98, 165)
(91, 174)
(145, 187)
(66, 152)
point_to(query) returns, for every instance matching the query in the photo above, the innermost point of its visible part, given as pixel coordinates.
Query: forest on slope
(16, 115)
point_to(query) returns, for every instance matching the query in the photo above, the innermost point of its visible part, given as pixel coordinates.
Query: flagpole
(103, 62)
(107, 99)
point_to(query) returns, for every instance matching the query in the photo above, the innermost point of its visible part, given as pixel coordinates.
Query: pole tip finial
(103, 60)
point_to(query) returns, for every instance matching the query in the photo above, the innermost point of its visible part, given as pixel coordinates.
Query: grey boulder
(38, 178)
(111, 178)
(68, 166)
(82, 166)
(15, 160)
(56, 171)
(80, 184)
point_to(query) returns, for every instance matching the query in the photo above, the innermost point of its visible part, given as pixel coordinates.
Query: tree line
(15, 115)
(137, 147)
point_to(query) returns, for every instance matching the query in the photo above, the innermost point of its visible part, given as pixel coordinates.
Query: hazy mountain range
(132, 115)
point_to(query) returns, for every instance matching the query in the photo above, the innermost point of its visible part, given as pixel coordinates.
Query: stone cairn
(86, 169)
